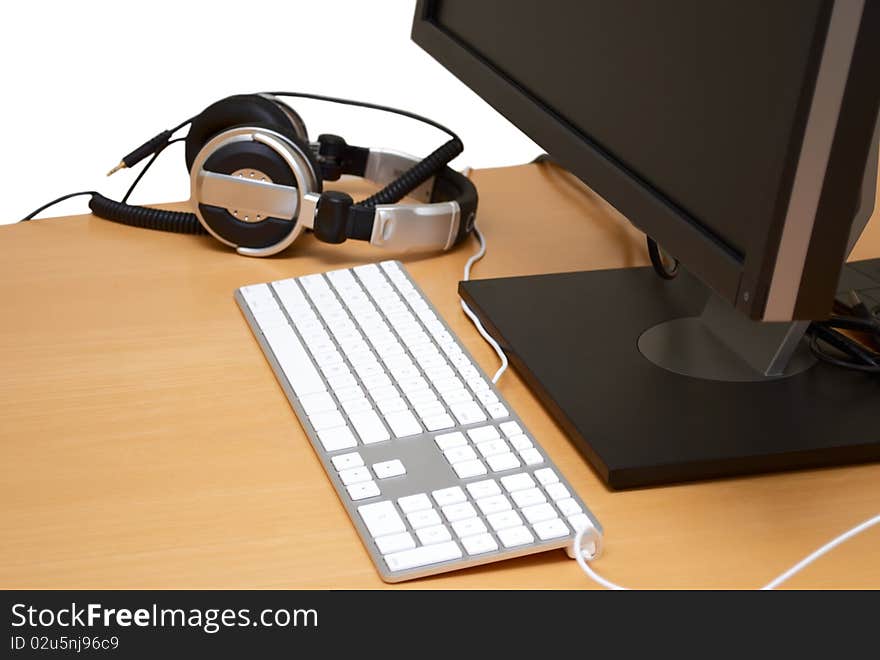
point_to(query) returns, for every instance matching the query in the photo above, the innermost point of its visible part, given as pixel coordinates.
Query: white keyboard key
(497, 410)
(478, 384)
(403, 423)
(383, 393)
(448, 384)
(569, 507)
(376, 381)
(480, 544)
(557, 491)
(412, 503)
(485, 488)
(429, 410)
(550, 529)
(524, 498)
(339, 383)
(412, 385)
(483, 433)
(546, 476)
(335, 371)
(439, 422)
(363, 490)
(369, 427)
(579, 521)
(521, 442)
(531, 456)
(515, 536)
(468, 469)
(517, 482)
(450, 440)
(386, 469)
(346, 461)
(327, 420)
(459, 454)
(468, 527)
(493, 504)
(256, 295)
(424, 518)
(458, 396)
(390, 406)
(487, 397)
(503, 520)
(539, 512)
(423, 556)
(338, 438)
(300, 372)
(353, 406)
(435, 534)
(317, 402)
(355, 475)
(460, 511)
(381, 518)
(501, 462)
(421, 396)
(492, 448)
(452, 495)
(467, 413)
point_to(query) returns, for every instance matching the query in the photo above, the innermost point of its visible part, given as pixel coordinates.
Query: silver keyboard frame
(412, 450)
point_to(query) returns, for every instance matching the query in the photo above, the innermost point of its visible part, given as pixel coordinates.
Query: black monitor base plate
(573, 337)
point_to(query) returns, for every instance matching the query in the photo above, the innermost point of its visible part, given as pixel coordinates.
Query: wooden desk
(146, 443)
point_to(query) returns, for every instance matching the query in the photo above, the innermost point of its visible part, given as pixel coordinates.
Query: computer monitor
(741, 136)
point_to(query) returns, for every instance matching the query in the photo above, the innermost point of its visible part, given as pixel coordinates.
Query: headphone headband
(444, 218)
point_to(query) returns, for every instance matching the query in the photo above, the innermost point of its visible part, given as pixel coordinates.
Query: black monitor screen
(700, 102)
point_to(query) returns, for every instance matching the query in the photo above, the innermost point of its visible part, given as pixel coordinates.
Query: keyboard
(433, 466)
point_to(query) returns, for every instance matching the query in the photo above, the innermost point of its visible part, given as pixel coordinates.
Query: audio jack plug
(148, 148)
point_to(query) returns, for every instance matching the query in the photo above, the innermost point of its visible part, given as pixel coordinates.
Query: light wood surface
(146, 444)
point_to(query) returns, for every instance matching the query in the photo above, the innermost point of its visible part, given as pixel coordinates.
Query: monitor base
(574, 338)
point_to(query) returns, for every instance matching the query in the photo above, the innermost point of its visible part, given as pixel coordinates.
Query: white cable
(582, 562)
(797, 568)
(794, 570)
(479, 254)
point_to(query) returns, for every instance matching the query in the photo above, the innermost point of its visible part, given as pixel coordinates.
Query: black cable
(178, 222)
(657, 261)
(861, 357)
(415, 175)
(147, 167)
(839, 362)
(149, 148)
(372, 106)
(31, 215)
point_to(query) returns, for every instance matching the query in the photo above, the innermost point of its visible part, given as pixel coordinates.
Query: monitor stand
(603, 351)
(660, 381)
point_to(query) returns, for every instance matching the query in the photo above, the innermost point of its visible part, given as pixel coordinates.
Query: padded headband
(444, 219)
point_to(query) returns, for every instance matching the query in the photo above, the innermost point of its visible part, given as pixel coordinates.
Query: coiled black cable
(145, 217)
(415, 176)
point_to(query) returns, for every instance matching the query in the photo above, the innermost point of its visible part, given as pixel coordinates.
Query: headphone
(257, 183)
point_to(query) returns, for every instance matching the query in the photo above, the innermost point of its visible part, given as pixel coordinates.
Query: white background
(86, 82)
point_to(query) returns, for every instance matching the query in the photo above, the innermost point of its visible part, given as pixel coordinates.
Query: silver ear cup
(253, 189)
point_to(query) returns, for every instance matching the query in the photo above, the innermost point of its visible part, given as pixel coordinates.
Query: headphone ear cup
(238, 110)
(284, 160)
(299, 126)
